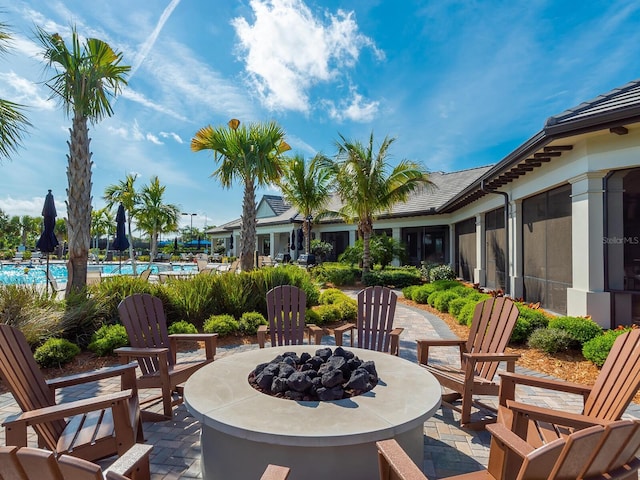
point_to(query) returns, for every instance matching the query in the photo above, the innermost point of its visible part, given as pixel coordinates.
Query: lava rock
(332, 378)
(324, 353)
(285, 370)
(359, 381)
(328, 394)
(279, 385)
(264, 380)
(299, 382)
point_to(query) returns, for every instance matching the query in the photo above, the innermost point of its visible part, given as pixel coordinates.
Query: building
(553, 222)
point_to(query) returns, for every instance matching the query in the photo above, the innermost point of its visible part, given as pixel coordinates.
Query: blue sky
(460, 84)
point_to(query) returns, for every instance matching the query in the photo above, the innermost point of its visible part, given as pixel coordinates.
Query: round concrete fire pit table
(243, 430)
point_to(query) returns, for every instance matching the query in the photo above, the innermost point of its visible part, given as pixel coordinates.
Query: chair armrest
(394, 344)
(262, 335)
(317, 333)
(509, 380)
(509, 439)
(339, 331)
(392, 458)
(424, 345)
(492, 357)
(134, 463)
(275, 472)
(140, 352)
(93, 376)
(16, 426)
(210, 342)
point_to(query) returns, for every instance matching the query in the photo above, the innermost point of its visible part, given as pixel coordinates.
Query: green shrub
(581, 329)
(393, 277)
(336, 274)
(597, 349)
(249, 322)
(223, 325)
(463, 291)
(347, 309)
(466, 313)
(441, 301)
(182, 326)
(441, 272)
(311, 316)
(521, 331)
(529, 320)
(55, 352)
(331, 295)
(327, 314)
(407, 292)
(550, 340)
(107, 338)
(456, 305)
(431, 299)
(421, 294)
(445, 284)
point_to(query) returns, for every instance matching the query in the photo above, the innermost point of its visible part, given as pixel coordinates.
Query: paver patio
(448, 449)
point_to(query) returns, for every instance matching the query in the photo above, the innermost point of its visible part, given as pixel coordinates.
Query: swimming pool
(29, 273)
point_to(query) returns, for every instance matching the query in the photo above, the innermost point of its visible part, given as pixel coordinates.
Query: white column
(479, 273)
(515, 250)
(587, 295)
(272, 244)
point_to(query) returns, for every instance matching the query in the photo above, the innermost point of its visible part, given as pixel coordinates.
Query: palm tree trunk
(307, 236)
(248, 229)
(366, 250)
(79, 202)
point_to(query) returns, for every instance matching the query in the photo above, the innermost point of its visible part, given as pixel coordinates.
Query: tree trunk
(78, 202)
(154, 245)
(307, 236)
(366, 250)
(248, 227)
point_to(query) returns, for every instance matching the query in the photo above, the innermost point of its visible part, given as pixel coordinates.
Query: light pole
(190, 228)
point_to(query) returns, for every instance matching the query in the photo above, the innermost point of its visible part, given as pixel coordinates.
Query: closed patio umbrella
(120, 242)
(48, 241)
(300, 239)
(293, 239)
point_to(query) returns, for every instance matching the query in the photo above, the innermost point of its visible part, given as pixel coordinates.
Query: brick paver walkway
(449, 450)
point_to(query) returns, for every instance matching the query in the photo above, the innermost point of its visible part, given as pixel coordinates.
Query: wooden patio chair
(145, 274)
(480, 356)
(92, 428)
(275, 472)
(156, 351)
(594, 453)
(374, 323)
(26, 463)
(606, 401)
(286, 311)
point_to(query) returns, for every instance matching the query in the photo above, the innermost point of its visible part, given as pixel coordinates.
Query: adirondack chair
(26, 463)
(614, 389)
(156, 351)
(480, 356)
(275, 472)
(145, 274)
(594, 453)
(92, 428)
(286, 310)
(374, 324)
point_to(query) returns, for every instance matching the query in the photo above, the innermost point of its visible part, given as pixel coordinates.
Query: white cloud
(287, 50)
(139, 98)
(355, 109)
(172, 135)
(153, 139)
(23, 91)
(31, 207)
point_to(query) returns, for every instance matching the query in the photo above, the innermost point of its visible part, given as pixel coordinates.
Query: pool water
(29, 274)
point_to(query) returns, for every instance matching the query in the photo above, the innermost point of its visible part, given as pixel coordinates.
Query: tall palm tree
(368, 185)
(153, 216)
(251, 154)
(13, 123)
(307, 187)
(102, 222)
(87, 76)
(125, 193)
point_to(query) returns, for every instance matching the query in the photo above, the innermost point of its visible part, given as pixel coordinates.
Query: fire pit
(316, 439)
(326, 375)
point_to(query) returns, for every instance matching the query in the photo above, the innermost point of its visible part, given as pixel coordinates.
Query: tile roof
(277, 203)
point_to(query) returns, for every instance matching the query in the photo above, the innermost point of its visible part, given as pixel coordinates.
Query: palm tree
(86, 77)
(307, 187)
(368, 186)
(13, 123)
(102, 222)
(125, 193)
(153, 216)
(251, 154)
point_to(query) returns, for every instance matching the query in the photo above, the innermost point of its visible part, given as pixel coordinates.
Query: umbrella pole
(46, 282)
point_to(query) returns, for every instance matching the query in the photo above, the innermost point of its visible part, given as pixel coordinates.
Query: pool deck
(448, 449)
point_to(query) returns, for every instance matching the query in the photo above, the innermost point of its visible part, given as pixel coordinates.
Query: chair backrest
(491, 327)
(376, 310)
(53, 282)
(286, 310)
(143, 317)
(144, 275)
(202, 264)
(93, 277)
(20, 372)
(618, 380)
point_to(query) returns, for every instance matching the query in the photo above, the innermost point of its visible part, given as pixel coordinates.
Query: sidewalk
(448, 450)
